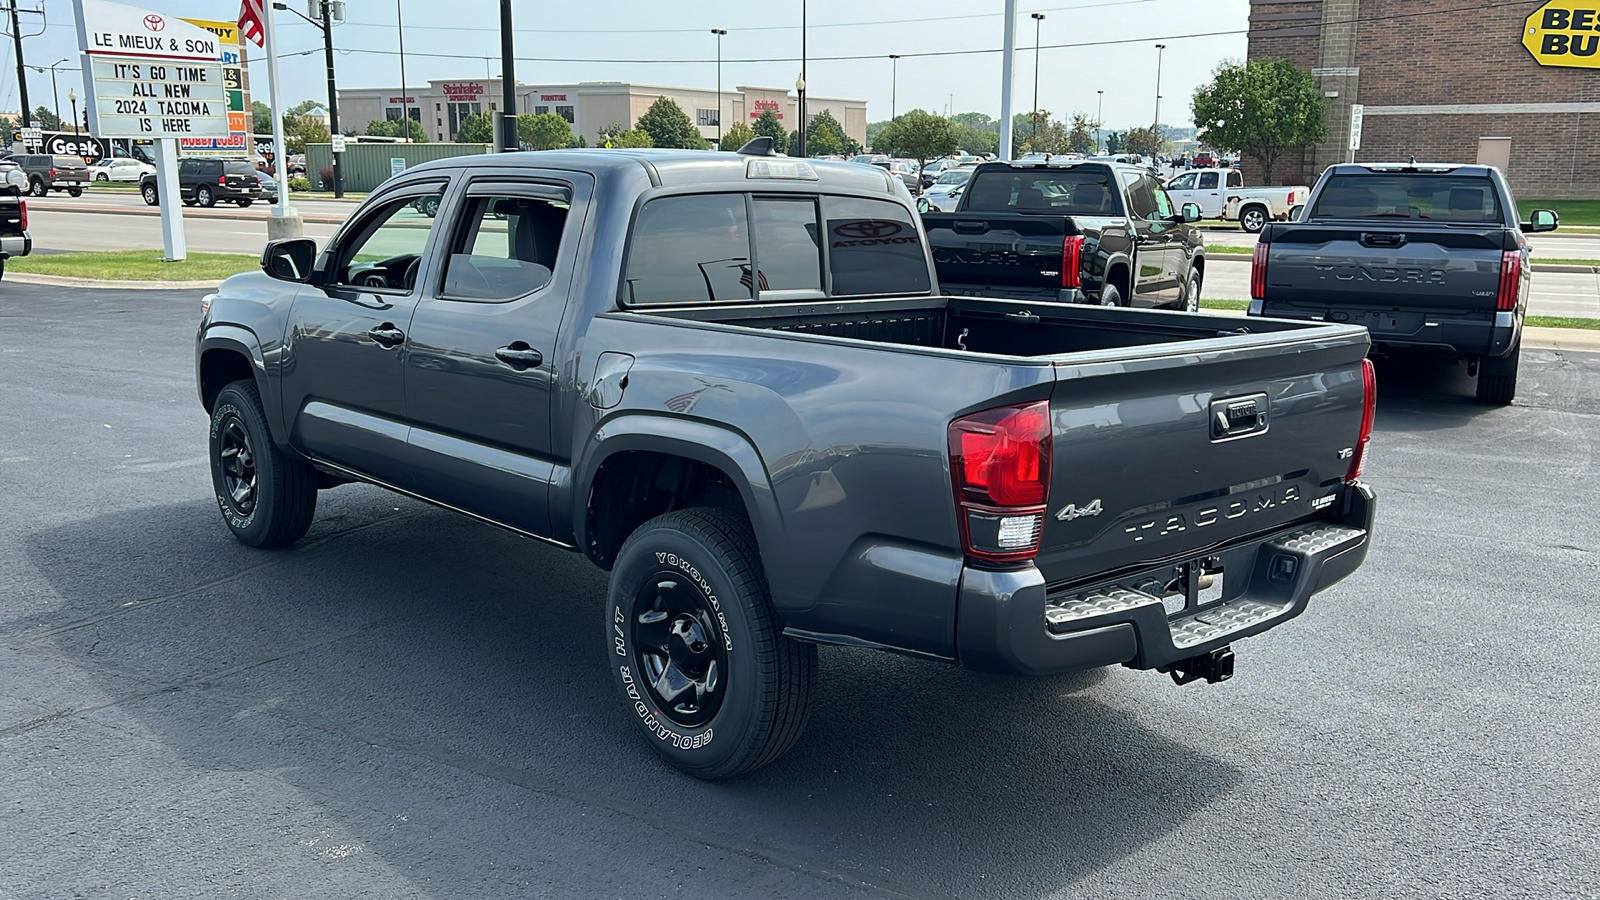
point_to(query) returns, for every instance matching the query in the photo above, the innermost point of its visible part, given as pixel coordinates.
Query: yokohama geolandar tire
(1497, 378)
(696, 651)
(267, 499)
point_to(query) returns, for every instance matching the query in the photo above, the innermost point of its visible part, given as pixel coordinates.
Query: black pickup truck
(1426, 257)
(1070, 231)
(729, 379)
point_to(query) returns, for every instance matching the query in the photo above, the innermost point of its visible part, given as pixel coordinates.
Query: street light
(719, 32)
(894, 82)
(800, 89)
(55, 92)
(1099, 121)
(1038, 19)
(72, 97)
(1156, 126)
(326, 26)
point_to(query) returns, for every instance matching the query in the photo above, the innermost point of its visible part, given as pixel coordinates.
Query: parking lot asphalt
(412, 704)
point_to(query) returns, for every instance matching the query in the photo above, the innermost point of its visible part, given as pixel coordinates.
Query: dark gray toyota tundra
(731, 380)
(1430, 258)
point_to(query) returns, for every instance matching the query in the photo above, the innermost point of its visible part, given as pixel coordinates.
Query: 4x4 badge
(1072, 511)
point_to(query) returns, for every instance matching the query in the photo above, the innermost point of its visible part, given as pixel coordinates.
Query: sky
(1100, 45)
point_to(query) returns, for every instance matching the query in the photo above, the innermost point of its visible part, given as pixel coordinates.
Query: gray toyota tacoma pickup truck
(731, 380)
(1429, 257)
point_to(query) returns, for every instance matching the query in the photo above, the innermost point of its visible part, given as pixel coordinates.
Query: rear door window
(1208, 181)
(1077, 191)
(506, 243)
(874, 248)
(689, 249)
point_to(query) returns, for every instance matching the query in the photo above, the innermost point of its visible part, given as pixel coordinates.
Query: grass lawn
(1572, 212)
(135, 265)
(1229, 248)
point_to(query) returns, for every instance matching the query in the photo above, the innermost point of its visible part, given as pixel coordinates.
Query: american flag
(252, 21)
(744, 278)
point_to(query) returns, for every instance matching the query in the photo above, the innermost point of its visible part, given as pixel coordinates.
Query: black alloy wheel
(682, 655)
(237, 461)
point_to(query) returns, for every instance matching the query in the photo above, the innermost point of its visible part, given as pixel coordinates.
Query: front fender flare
(704, 442)
(243, 342)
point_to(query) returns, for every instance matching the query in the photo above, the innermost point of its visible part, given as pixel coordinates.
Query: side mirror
(1189, 212)
(289, 259)
(1296, 211)
(1542, 220)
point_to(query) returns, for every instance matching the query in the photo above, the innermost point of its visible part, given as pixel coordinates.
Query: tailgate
(1386, 265)
(1142, 472)
(998, 249)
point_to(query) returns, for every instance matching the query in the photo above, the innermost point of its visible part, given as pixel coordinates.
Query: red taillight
(51, 173)
(1369, 409)
(1000, 465)
(1258, 272)
(222, 179)
(1510, 280)
(24, 214)
(1072, 261)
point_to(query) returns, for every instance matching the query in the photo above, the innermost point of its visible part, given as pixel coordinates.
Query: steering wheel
(374, 279)
(409, 279)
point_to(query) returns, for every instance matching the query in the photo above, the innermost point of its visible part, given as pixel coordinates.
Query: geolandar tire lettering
(696, 649)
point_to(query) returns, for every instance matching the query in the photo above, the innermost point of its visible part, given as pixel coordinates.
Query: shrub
(326, 174)
(299, 183)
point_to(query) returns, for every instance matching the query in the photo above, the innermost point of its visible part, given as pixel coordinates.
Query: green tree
(825, 136)
(669, 126)
(298, 131)
(873, 130)
(45, 119)
(1114, 142)
(1040, 134)
(767, 125)
(1080, 134)
(477, 129)
(735, 136)
(261, 117)
(921, 136)
(8, 130)
(978, 120)
(580, 141)
(305, 106)
(1262, 109)
(976, 140)
(1143, 141)
(391, 128)
(637, 138)
(547, 131)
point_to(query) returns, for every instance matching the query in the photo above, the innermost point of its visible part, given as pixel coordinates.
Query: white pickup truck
(1221, 194)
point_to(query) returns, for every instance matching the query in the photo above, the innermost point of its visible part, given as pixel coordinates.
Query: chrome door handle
(387, 335)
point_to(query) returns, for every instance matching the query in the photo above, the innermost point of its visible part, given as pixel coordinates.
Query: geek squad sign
(1564, 33)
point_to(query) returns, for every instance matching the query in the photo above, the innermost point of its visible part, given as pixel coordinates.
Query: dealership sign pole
(147, 76)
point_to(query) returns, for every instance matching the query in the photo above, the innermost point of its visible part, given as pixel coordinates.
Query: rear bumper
(1456, 333)
(1005, 292)
(16, 245)
(1008, 622)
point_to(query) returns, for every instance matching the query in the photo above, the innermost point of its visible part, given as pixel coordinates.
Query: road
(412, 704)
(1553, 293)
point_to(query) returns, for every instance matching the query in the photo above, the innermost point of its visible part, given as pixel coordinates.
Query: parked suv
(53, 173)
(203, 182)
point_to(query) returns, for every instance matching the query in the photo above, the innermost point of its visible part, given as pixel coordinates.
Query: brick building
(1440, 80)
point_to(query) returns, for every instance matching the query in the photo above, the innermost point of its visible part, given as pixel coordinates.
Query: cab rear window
(238, 167)
(1409, 195)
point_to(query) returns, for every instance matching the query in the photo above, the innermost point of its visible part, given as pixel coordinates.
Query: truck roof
(676, 167)
(1425, 168)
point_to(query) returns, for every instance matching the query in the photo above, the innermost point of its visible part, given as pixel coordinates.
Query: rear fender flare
(1113, 261)
(700, 441)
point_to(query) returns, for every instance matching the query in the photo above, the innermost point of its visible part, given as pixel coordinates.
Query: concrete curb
(196, 213)
(1537, 266)
(108, 284)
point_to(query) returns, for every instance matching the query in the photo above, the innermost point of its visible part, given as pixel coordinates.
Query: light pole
(1099, 121)
(508, 83)
(72, 97)
(719, 32)
(326, 26)
(894, 83)
(800, 83)
(405, 114)
(1038, 19)
(800, 89)
(55, 92)
(1156, 126)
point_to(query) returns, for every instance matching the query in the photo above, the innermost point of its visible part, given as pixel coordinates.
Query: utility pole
(1099, 120)
(894, 82)
(508, 81)
(719, 32)
(1156, 127)
(800, 84)
(22, 74)
(326, 25)
(1038, 19)
(405, 114)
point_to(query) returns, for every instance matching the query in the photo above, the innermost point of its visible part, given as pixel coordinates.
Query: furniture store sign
(1564, 33)
(148, 75)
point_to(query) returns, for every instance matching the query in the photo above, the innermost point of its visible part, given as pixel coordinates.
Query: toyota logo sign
(154, 22)
(867, 228)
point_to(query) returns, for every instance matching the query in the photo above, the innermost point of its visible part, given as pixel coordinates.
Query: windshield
(1409, 195)
(954, 176)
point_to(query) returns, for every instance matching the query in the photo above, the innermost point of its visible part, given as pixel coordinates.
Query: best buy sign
(1564, 33)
